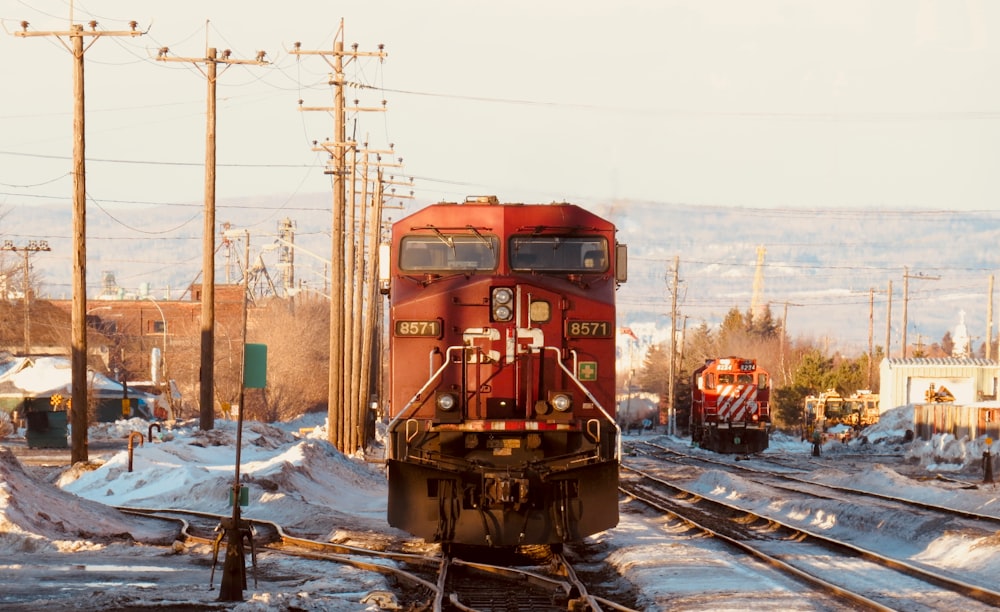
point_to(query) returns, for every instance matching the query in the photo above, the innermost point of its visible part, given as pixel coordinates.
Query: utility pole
(757, 297)
(888, 319)
(339, 384)
(207, 377)
(680, 356)
(671, 379)
(989, 320)
(32, 247)
(363, 322)
(871, 333)
(784, 335)
(78, 350)
(906, 297)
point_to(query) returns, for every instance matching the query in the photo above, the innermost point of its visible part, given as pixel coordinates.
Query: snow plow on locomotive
(502, 373)
(730, 406)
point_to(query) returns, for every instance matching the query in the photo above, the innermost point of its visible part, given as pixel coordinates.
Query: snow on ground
(299, 480)
(295, 478)
(905, 534)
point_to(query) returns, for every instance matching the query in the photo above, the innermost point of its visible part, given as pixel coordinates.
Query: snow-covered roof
(42, 376)
(942, 361)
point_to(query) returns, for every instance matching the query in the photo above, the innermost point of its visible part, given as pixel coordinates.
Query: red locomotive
(502, 418)
(730, 406)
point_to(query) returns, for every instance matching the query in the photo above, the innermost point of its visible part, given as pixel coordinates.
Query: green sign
(587, 370)
(244, 497)
(255, 366)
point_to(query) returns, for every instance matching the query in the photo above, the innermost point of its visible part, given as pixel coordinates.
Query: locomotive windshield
(448, 252)
(559, 253)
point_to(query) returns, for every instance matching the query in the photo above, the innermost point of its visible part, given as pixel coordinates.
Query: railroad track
(787, 479)
(861, 577)
(536, 580)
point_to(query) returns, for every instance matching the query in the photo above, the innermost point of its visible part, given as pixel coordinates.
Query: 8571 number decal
(589, 329)
(429, 329)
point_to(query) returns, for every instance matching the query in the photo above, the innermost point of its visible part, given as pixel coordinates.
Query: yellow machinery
(830, 408)
(938, 395)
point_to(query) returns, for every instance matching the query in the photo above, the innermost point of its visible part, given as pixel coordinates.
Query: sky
(70, 520)
(775, 103)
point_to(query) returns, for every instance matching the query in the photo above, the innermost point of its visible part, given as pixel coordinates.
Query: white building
(906, 381)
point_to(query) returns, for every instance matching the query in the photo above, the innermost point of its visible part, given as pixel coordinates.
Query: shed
(905, 381)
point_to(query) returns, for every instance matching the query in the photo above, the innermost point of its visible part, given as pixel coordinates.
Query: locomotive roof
(514, 216)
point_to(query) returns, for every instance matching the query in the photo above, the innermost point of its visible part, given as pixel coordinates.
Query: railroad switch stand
(234, 571)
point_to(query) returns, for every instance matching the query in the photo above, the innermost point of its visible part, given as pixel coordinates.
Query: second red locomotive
(502, 373)
(730, 406)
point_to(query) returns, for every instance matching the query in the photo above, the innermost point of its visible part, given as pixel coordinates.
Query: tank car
(502, 424)
(730, 406)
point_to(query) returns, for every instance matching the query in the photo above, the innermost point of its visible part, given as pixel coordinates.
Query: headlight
(561, 401)
(502, 295)
(501, 300)
(446, 401)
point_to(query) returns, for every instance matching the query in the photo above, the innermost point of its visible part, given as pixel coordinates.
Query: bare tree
(298, 358)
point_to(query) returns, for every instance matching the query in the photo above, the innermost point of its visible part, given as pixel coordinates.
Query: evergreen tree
(762, 326)
(851, 375)
(700, 345)
(787, 406)
(733, 327)
(655, 370)
(815, 371)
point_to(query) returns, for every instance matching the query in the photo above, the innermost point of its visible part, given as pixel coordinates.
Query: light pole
(163, 355)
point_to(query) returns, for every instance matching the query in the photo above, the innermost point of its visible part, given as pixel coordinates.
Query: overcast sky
(771, 103)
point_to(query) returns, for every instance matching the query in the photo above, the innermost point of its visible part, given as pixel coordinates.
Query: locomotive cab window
(580, 254)
(448, 253)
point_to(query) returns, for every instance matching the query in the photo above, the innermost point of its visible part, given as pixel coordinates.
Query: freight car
(730, 406)
(502, 424)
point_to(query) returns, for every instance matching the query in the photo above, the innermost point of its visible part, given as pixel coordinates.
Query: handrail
(403, 413)
(558, 352)
(586, 391)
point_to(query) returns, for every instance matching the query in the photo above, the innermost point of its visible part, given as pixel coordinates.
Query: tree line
(798, 368)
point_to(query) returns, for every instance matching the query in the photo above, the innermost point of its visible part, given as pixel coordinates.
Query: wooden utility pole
(207, 376)
(906, 297)
(888, 320)
(340, 370)
(671, 378)
(784, 336)
(989, 320)
(365, 249)
(33, 246)
(871, 333)
(78, 350)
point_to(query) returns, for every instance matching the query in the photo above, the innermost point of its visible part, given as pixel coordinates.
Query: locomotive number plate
(503, 443)
(589, 329)
(430, 329)
(726, 365)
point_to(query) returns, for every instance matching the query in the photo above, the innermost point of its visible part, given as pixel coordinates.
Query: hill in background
(819, 266)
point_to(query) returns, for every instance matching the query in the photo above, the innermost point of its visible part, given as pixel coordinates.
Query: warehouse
(907, 381)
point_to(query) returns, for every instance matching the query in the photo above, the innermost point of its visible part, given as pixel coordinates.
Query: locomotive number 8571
(502, 414)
